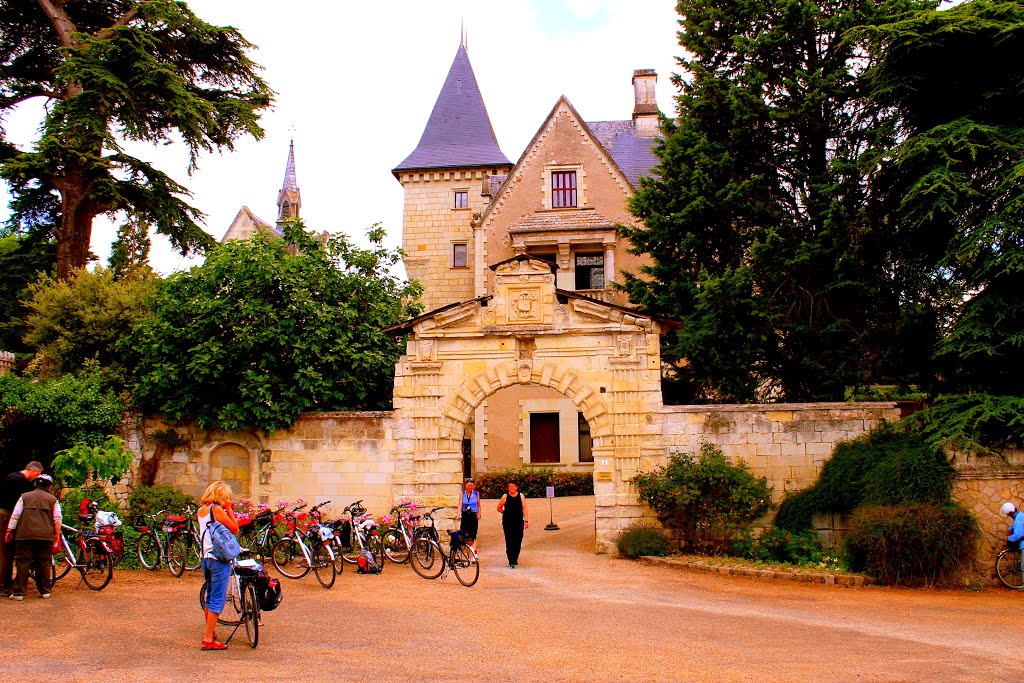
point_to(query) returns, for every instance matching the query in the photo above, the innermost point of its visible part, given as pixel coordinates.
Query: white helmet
(1007, 509)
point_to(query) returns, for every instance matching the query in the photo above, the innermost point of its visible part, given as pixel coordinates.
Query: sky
(356, 82)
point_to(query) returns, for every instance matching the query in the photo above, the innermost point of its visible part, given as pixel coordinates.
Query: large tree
(958, 177)
(114, 70)
(760, 220)
(268, 328)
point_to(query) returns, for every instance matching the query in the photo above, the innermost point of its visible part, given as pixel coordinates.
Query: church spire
(289, 201)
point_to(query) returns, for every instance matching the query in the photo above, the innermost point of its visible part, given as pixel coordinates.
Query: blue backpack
(225, 545)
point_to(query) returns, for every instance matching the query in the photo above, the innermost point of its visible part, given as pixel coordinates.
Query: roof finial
(462, 32)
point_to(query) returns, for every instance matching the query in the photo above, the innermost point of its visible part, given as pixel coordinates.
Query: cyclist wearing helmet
(1017, 528)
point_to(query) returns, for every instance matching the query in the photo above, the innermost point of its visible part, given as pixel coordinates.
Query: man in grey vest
(36, 519)
(11, 488)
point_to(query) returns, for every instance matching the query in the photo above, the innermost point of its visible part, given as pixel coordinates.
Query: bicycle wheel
(251, 614)
(395, 547)
(288, 559)
(1008, 569)
(61, 564)
(339, 561)
(323, 566)
(176, 553)
(426, 559)
(96, 567)
(465, 566)
(193, 560)
(266, 549)
(149, 551)
(351, 553)
(376, 548)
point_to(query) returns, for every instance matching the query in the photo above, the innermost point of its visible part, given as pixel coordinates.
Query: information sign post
(551, 525)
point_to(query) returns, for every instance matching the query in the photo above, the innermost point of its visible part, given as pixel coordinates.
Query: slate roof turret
(458, 133)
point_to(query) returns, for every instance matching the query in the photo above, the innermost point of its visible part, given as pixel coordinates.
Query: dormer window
(563, 189)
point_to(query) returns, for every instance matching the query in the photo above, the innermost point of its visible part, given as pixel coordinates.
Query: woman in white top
(216, 501)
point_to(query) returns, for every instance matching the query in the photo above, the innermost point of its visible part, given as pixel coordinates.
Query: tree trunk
(75, 233)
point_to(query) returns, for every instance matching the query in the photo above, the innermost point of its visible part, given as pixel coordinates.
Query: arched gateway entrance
(603, 357)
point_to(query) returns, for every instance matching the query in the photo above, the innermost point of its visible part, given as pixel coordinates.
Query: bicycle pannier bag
(268, 592)
(366, 564)
(225, 545)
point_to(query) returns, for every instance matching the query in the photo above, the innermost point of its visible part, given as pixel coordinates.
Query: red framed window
(563, 189)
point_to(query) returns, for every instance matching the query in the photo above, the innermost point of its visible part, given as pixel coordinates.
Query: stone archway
(604, 358)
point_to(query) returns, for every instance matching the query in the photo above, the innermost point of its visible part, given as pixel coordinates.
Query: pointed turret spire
(289, 201)
(459, 132)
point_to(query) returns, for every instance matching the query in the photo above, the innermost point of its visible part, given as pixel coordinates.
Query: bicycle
(357, 534)
(1009, 570)
(429, 560)
(242, 599)
(398, 539)
(301, 551)
(184, 547)
(151, 549)
(94, 560)
(259, 533)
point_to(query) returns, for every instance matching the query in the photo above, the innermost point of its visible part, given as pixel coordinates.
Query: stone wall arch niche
(602, 357)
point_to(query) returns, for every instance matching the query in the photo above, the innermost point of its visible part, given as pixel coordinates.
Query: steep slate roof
(459, 132)
(633, 155)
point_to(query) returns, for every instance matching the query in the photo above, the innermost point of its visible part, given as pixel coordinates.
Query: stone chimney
(645, 110)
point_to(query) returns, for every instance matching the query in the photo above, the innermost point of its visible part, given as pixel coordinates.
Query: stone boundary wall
(984, 482)
(339, 457)
(786, 442)
(6, 362)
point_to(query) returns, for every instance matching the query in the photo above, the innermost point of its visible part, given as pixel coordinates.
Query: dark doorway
(544, 446)
(467, 458)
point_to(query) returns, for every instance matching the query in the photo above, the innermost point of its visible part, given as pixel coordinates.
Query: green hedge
(152, 499)
(887, 466)
(642, 540)
(913, 544)
(534, 480)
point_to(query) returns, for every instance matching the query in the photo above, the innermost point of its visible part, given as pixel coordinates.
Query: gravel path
(564, 615)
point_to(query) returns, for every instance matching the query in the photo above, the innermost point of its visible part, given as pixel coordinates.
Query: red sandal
(214, 645)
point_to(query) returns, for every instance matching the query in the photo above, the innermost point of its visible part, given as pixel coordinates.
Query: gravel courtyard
(564, 615)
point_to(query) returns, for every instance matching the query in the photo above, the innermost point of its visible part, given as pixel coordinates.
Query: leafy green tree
(957, 178)
(40, 417)
(113, 70)
(81, 322)
(759, 219)
(83, 463)
(23, 258)
(268, 328)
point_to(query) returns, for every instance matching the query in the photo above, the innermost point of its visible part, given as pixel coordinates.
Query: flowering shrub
(704, 499)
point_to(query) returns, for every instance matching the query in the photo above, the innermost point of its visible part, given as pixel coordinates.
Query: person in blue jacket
(1017, 528)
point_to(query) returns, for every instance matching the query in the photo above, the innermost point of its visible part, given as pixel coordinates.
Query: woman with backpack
(216, 505)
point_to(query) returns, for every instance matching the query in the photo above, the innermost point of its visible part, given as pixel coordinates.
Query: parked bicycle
(403, 533)
(152, 548)
(93, 558)
(104, 524)
(1009, 569)
(184, 546)
(242, 605)
(429, 560)
(357, 534)
(305, 550)
(259, 533)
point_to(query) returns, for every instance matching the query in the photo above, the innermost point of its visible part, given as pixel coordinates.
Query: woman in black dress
(514, 520)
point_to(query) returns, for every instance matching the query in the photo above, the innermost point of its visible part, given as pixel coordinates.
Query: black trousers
(39, 554)
(6, 553)
(513, 541)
